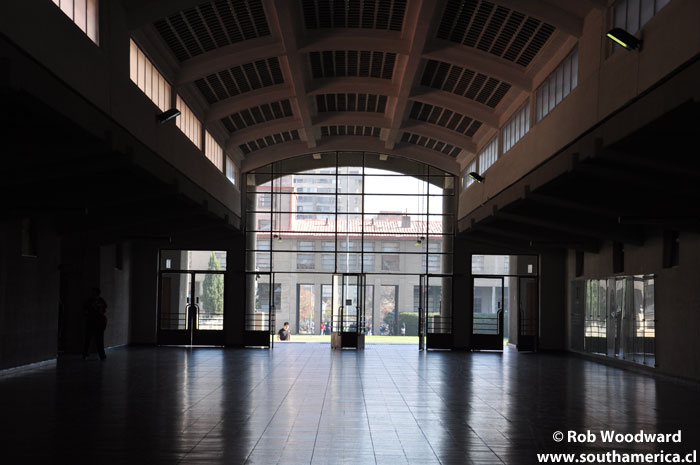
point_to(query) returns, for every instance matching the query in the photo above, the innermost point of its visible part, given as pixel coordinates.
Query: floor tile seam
(410, 410)
(278, 408)
(369, 428)
(320, 416)
(220, 421)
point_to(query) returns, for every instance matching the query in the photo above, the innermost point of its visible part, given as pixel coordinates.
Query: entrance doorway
(505, 304)
(488, 313)
(187, 315)
(386, 220)
(348, 327)
(191, 297)
(435, 312)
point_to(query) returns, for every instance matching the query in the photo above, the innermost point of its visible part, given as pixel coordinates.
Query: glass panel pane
(80, 14)
(350, 203)
(306, 309)
(209, 297)
(647, 11)
(174, 299)
(632, 16)
(193, 260)
(621, 14)
(257, 302)
(649, 323)
(488, 301)
(326, 306)
(350, 223)
(337, 302)
(439, 305)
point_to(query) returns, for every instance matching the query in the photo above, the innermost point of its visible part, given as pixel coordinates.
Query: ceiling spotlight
(168, 115)
(476, 177)
(383, 156)
(624, 38)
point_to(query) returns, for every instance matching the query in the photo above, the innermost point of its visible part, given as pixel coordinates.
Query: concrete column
(462, 296)
(449, 204)
(552, 271)
(80, 272)
(144, 300)
(236, 286)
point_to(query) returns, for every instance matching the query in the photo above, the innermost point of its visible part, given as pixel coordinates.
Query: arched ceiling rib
(280, 74)
(350, 143)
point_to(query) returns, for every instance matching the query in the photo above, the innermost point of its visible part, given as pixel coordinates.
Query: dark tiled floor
(303, 403)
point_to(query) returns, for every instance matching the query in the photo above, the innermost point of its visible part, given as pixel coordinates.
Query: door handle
(196, 316)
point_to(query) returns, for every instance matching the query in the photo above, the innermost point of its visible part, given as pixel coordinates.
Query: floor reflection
(303, 403)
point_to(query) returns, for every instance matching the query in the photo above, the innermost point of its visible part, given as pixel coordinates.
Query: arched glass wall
(389, 218)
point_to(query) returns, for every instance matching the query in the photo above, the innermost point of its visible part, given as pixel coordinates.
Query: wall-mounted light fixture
(316, 156)
(167, 115)
(476, 177)
(383, 156)
(624, 38)
(419, 241)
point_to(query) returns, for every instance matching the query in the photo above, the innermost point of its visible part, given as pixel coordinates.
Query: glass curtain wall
(618, 317)
(389, 218)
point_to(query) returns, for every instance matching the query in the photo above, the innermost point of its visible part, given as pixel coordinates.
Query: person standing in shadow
(95, 323)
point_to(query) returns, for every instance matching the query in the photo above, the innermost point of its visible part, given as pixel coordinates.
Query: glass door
(487, 311)
(348, 325)
(262, 296)
(438, 311)
(191, 308)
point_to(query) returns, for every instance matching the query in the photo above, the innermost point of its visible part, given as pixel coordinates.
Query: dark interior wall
(100, 74)
(29, 295)
(677, 297)
(552, 272)
(235, 284)
(42, 296)
(144, 297)
(115, 284)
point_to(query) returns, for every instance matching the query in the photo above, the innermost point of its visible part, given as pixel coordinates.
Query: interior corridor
(306, 404)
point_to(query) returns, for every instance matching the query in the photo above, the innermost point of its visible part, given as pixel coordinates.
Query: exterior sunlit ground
(368, 339)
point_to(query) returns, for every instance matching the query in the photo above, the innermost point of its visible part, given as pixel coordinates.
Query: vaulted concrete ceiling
(427, 79)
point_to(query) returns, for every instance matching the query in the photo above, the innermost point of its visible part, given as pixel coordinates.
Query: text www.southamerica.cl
(613, 456)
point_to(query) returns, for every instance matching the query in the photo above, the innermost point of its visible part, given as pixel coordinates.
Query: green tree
(213, 288)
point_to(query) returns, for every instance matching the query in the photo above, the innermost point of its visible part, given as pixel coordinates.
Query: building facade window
(368, 236)
(262, 256)
(557, 86)
(517, 126)
(231, 171)
(265, 200)
(390, 247)
(85, 14)
(188, 123)
(368, 256)
(488, 155)
(327, 262)
(632, 15)
(433, 262)
(466, 179)
(213, 151)
(147, 78)
(477, 264)
(390, 263)
(305, 261)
